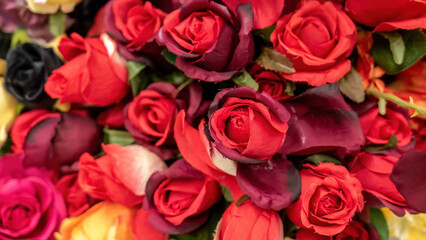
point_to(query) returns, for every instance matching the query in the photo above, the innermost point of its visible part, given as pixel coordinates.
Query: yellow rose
(51, 6)
(104, 221)
(409, 227)
(7, 112)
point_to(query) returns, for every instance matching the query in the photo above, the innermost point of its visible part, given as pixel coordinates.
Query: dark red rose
(75, 198)
(270, 82)
(330, 198)
(373, 169)
(180, 198)
(379, 128)
(151, 115)
(54, 139)
(93, 73)
(318, 39)
(113, 117)
(394, 14)
(211, 43)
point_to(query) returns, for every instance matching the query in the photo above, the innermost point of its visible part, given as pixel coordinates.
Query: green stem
(396, 100)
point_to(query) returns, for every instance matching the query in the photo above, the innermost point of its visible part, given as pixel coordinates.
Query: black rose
(28, 67)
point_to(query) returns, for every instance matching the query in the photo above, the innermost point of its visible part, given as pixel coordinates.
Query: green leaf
(265, 33)
(246, 80)
(7, 146)
(119, 137)
(351, 86)
(272, 60)
(241, 200)
(415, 49)
(137, 80)
(391, 144)
(290, 88)
(57, 23)
(169, 56)
(396, 45)
(322, 158)
(379, 222)
(226, 193)
(19, 37)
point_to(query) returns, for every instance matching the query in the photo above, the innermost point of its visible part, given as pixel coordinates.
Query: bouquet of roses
(212, 119)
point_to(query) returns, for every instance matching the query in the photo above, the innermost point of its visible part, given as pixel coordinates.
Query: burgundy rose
(180, 198)
(151, 114)
(211, 43)
(30, 206)
(270, 82)
(317, 38)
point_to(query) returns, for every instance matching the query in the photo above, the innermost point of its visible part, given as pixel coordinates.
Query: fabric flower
(210, 43)
(31, 207)
(180, 198)
(51, 6)
(330, 198)
(318, 38)
(93, 73)
(28, 66)
(119, 176)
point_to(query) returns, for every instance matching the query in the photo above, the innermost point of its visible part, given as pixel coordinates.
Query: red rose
(378, 128)
(75, 198)
(137, 22)
(270, 82)
(394, 14)
(355, 230)
(180, 198)
(373, 169)
(240, 120)
(211, 43)
(248, 221)
(119, 176)
(329, 199)
(113, 117)
(318, 39)
(308, 234)
(92, 75)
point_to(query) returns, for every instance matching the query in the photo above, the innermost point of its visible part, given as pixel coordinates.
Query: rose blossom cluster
(211, 120)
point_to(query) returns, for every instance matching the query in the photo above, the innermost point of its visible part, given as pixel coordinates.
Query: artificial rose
(394, 14)
(28, 66)
(249, 222)
(180, 198)
(51, 6)
(379, 128)
(151, 114)
(75, 198)
(31, 208)
(93, 73)
(7, 110)
(120, 175)
(270, 82)
(240, 119)
(137, 22)
(329, 199)
(211, 43)
(317, 38)
(53, 139)
(265, 13)
(372, 169)
(105, 220)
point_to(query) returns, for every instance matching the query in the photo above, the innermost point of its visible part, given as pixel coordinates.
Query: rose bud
(211, 43)
(51, 139)
(372, 169)
(151, 115)
(329, 199)
(394, 14)
(28, 66)
(94, 74)
(180, 198)
(75, 198)
(119, 176)
(379, 128)
(240, 119)
(271, 82)
(317, 38)
(248, 221)
(31, 207)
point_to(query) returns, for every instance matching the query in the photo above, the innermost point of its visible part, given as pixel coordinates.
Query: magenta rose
(30, 205)
(211, 43)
